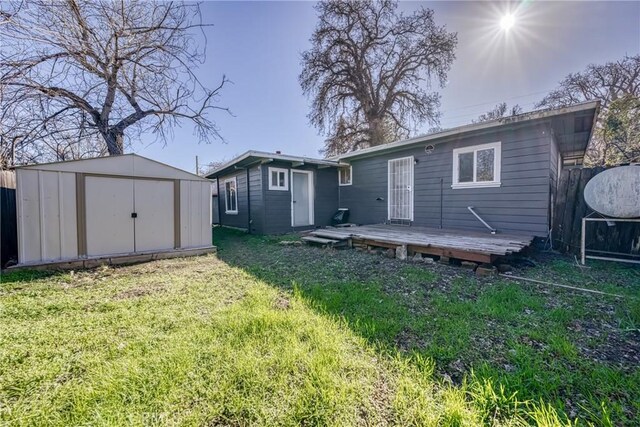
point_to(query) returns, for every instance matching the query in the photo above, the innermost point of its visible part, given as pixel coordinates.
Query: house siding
(519, 205)
(554, 173)
(277, 203)
(256, 200)
(241, 219)
(326, 191)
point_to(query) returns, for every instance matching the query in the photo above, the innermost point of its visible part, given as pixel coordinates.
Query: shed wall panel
(195, 214)
(68, 215)
(28, 191)
(50, 214)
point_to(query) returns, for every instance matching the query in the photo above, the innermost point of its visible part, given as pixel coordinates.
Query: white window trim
(226, 196)
(350, 176)
(497, 160)
(286, 179)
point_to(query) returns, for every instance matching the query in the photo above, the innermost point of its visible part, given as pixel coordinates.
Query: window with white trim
(477, 166)
(278, 179)
(230, 196)
(344, 176)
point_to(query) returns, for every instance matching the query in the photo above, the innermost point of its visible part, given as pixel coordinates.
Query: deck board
(469, 244)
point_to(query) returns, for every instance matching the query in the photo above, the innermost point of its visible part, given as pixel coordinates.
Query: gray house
(504, 171)
(272, 193)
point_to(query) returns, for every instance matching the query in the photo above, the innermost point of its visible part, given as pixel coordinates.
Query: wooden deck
(460, 244)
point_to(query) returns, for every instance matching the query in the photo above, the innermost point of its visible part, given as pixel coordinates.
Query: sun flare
(507, 22)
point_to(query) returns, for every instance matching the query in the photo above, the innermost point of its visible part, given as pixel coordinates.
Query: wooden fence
(570, 208)
(8, 219)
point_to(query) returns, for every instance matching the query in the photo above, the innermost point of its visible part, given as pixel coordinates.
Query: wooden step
(328, 234)
(321, 241)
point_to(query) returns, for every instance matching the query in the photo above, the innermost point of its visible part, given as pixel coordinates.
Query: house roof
(253, 157)
(129, 164)
(571, 125)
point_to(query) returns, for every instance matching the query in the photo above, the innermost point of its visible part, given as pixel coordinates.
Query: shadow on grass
(25, 276)
(502, 335)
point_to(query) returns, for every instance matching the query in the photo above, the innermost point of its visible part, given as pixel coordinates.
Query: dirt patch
(604, 342)
(138, 292)
(281, 303)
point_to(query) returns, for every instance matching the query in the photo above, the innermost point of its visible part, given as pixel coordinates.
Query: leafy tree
(617, 86)
(91, 70)
(369, 72)
(500, 110)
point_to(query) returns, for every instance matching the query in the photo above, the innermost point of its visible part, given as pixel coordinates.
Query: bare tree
(369, 72)
(92, 70)
(499, 111)
(607, 83)
(621, 130)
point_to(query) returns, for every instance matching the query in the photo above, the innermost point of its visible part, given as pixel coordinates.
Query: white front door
(109, 225)
(400, 181)
(301, 198)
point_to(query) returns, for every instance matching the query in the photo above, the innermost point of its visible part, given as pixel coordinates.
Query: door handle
(134, 215)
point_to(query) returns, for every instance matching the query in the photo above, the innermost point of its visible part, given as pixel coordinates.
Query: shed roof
(253, 157)
(571, 125)
(130, 164)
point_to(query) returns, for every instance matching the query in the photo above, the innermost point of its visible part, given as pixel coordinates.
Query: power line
(498, 101)
(476, 114)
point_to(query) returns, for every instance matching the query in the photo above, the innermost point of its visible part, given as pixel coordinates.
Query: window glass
(231, 196)
(345, 176)
(465, 167)
(484, 165)
(278, 179)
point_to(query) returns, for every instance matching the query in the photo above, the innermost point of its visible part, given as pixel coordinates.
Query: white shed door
(154, 224)
(401, 188)
(109, 204)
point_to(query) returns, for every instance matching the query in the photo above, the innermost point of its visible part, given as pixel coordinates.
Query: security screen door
(400, 181)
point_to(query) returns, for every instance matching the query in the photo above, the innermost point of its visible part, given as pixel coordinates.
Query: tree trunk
(377, 132)
(114, 141)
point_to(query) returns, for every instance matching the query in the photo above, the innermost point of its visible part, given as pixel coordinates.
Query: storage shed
(120, 205)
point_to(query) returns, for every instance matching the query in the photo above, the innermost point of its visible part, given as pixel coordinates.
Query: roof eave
(473, 127)
(221, 170)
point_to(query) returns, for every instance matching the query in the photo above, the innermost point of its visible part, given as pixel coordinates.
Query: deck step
(321, 241)
(329, 234)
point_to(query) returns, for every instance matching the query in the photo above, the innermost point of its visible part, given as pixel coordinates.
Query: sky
(258, 45)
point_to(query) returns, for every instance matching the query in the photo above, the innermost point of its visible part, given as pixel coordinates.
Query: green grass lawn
(265, 334)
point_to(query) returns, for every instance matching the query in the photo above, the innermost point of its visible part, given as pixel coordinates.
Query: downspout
(219, 201)
(441, 199)
(493, 230)
(248, 203)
